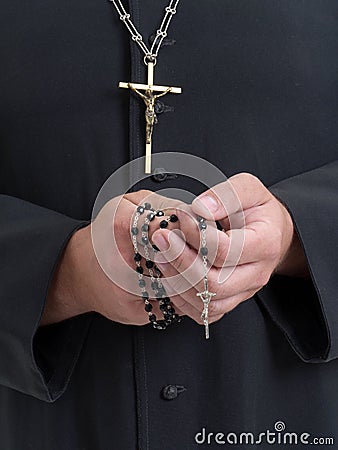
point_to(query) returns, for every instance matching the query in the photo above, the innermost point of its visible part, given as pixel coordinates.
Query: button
(165, 42)
(159, 175)
(171, 391)
(159, 107)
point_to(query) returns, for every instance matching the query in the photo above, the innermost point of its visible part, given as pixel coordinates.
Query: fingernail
(209, 202)
(160, 241)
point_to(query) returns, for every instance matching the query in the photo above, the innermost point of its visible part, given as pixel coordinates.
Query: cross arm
(154, 87)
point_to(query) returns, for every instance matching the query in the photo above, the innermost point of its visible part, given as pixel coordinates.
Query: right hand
(80, 285)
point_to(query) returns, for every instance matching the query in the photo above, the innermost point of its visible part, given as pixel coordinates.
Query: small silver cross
(206, 296)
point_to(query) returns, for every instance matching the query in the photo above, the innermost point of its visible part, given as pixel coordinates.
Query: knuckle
(121, 226)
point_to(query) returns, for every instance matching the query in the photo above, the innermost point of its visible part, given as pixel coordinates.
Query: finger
(157, 201)
(183, 258)
(187, 309)
(224, 306)
(230, 281)
(238, 193)
(191, 228)
(187, 301)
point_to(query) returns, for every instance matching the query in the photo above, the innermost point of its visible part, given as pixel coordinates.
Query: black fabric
(311, 321)
(259, 82)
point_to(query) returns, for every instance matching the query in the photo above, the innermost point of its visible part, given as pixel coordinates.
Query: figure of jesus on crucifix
(149, 99)
(148, 94)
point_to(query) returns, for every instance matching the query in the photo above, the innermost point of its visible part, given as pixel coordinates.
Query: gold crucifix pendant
(149, 99)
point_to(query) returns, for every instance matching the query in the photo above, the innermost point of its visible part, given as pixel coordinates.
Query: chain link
(150, 54)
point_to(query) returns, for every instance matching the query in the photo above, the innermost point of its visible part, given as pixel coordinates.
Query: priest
(82, 368)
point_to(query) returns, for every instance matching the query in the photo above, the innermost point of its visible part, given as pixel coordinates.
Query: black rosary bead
(148, 307)
(147, 206)
(149, 264)
(160, 213)
(151, 216)
(134, 231)
(163, 307)
(139, 269)
(145, 295)
(137, 257)
(140, 209)
(145, 227)
(152, 318)
(160, 325)
(173, 218)
(145, 240)
(163, 224)
(204, 251)
(157, 271)
(202, 226)
(166, 300)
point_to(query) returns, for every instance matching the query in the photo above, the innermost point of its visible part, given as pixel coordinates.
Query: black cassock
(260, 95)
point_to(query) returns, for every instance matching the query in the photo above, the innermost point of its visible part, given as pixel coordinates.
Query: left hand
(265, 243)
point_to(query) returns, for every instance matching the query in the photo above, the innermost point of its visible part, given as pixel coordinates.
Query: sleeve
(307, 310)
(35, 361)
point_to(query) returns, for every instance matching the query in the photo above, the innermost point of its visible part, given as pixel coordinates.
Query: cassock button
(171, 391)
(159, 175)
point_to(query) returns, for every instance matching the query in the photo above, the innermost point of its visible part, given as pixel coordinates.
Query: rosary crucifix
(206, 296)
(149, 99)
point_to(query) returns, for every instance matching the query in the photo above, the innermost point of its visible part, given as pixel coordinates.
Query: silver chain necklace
(150, 55)
(149, 92)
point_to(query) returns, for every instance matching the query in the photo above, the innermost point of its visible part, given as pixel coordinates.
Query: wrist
(65, 298)
(293, 262)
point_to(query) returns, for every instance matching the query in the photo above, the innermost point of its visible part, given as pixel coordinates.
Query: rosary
(168, 310)
(149, 93)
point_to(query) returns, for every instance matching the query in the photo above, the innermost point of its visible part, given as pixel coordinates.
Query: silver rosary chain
(150, 54)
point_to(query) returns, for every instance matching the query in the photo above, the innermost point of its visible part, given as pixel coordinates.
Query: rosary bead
(145, 240)
(140, 209)
(204, 251)
(134, 231)
(160, 213)
(161, 291)
(163, 307)
(139, 269)
(154, 285)
(163, 224)
(149, 264)
(173, 218)
(141, 283)
(145, 295)
(151, 216)
(166, 300)
(157, 271)
(160, 325)
(147, 206)
(137, 257)
(202, 226)
(148, 307)
(200, 219)
(145, 227)
(152, 317)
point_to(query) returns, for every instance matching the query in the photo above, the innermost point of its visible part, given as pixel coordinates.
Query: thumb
(238, 193)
